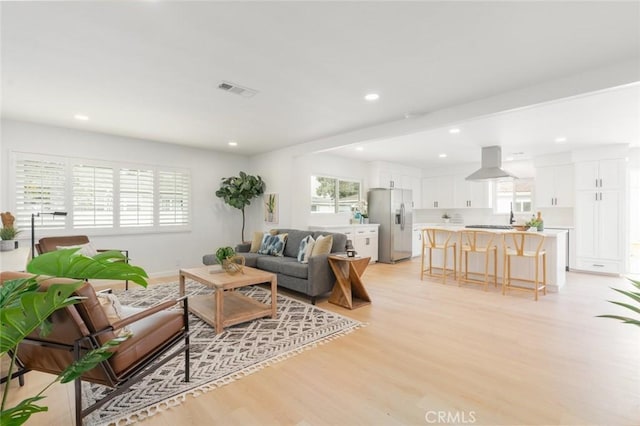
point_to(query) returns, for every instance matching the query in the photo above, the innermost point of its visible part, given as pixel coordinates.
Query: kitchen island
(554, 245)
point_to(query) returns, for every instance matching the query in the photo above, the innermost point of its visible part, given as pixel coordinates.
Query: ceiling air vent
(237, 89)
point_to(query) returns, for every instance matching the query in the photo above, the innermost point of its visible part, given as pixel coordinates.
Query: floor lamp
(33, 227)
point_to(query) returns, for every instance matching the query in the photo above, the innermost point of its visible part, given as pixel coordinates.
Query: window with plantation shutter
(92, 196)
(136, 197)
(173, 197)
(39, 188)
(100, 197)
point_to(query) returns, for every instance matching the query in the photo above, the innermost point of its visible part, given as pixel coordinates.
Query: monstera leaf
(20, 320)
(68, 263)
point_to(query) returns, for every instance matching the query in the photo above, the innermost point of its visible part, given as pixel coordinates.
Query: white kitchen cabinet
(471, 194)
(554, 186)
(363, 237)
(599, 216)
(437, 192)
(600, 175)
(366, 242)
(416, 241)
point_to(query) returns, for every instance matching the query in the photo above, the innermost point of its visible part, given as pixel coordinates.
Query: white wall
(213, 223)
(289, 174)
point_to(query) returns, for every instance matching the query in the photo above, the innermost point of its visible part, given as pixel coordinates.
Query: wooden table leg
(219, 301)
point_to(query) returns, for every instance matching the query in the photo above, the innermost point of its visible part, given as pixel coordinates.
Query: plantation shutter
(173, 194)
(136, 197)
(39, 188)
(92, 196)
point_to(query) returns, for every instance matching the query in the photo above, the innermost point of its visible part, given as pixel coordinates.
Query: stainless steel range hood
(491, 165)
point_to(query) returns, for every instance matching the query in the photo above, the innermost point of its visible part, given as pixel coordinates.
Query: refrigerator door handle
(402, 216)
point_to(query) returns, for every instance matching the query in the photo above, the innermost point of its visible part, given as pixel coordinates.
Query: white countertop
(355, 225)
(553, 233)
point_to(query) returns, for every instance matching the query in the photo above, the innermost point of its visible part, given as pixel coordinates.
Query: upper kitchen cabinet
(389, 175)
(554, 186)
(599, 175)
(471, 194)
(437, 192)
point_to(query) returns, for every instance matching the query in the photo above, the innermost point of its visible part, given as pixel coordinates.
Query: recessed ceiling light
(561, 140)
(359, 148)
(443, 155)
(454, 130)
(372, 97)
(81, 117)
(233, 143)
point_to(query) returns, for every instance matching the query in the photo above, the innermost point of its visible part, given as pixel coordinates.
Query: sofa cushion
(251, 259)
(290, 266)
(273, 244)
(323, 245)
(269, 263)
(293, 241)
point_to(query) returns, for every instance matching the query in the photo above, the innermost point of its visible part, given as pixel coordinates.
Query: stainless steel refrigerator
(393, 210)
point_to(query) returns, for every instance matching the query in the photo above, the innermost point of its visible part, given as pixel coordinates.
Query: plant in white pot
(8, 236)
(8, 232)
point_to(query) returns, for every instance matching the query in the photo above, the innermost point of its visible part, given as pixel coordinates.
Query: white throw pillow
(113, 310)
(85, 249)
(305, 249)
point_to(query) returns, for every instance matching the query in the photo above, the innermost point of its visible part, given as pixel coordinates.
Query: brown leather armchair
(156, 335)
(47, 244)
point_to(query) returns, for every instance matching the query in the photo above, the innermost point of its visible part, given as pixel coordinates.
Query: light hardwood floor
(432, 350)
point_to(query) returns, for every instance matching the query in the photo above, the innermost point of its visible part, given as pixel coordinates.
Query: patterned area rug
(217, 359)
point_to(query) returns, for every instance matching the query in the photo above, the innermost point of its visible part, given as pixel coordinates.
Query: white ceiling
(150, 69)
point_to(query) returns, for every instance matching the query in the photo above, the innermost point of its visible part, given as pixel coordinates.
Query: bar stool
(481, 242)
(438, 239)
(524, 245)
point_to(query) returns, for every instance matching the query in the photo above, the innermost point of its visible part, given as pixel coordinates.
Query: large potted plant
(238, 191)
(24, 309)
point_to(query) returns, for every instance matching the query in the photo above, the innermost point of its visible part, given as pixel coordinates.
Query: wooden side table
(349, 291)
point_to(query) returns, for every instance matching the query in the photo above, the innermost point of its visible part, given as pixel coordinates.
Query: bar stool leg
(495, 268)
(444, 267)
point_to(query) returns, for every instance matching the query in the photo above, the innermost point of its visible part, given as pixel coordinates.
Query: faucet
(512, 219)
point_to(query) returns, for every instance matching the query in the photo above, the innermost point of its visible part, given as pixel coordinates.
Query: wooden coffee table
(226, 307)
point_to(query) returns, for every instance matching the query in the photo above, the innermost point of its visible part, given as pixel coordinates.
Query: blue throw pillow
(273, 245)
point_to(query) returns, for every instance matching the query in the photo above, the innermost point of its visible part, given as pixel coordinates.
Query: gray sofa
(312, 279)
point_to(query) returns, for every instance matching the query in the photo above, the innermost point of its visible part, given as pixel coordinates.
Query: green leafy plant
(635, 296)
(238, 191)
(271, 203)
(8, 233)
(446, 216)
(24, 309)
(224, 253)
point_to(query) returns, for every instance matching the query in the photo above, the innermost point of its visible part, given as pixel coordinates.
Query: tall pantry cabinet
(599, 217)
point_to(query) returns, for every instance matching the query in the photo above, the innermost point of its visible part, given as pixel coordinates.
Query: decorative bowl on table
(520, 227)
(233, 265)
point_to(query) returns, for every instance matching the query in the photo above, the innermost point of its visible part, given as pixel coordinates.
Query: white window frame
(513, 197)
(44, 222)
(336, 206)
